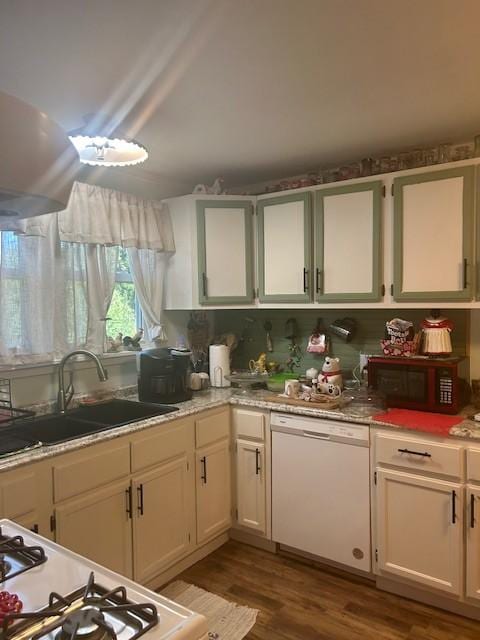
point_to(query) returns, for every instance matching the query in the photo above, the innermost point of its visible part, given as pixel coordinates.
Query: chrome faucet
(65, 395)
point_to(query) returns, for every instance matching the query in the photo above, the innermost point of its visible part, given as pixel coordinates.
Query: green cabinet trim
(203, 296)
(376, 187)
(304, 197)
(468, 175)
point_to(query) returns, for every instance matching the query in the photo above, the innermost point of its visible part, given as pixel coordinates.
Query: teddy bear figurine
(330, 379)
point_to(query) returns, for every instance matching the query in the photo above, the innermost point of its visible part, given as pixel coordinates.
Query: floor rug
(226, 620)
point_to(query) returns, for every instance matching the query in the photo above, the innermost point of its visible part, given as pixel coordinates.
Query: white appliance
(321, 488)
(65, 572)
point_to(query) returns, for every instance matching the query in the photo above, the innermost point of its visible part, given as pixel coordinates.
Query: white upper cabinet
(225, 257)
(433, 235)
(348, 243)
(284, 248)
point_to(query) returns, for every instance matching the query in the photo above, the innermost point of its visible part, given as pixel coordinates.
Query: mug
(292, 388)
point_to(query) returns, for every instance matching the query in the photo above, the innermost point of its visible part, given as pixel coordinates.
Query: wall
(371, 327)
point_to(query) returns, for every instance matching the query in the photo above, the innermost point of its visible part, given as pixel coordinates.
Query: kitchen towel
(436, 423)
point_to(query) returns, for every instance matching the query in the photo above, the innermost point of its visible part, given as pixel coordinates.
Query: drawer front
(19, 494)
(89, 468)
(162, 443)
(419, 455)
(212, 427)
(248, 424)
(473, 464)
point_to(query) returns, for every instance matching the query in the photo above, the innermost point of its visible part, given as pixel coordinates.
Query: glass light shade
(100, 151)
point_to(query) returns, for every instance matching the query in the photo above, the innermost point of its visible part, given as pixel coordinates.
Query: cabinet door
(26, 497)
(164, 517)
(473, 542)
(284, 248)
(250, 485)
(348, 243)
(433, 214)
(225, 251)
(213, 486)
(419, 529)
(99, 527)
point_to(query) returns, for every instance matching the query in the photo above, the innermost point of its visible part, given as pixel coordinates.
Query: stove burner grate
(90, 613)
(17, 557)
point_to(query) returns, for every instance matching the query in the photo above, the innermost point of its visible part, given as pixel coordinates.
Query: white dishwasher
(321, 488)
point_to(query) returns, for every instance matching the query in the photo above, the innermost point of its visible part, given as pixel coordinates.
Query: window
(124, 314)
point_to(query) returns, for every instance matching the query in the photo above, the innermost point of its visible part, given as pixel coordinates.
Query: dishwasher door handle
(317, 436)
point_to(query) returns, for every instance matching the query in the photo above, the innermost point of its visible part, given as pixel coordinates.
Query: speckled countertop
(210, 399)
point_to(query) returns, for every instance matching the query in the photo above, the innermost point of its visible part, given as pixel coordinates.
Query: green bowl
(276, 383)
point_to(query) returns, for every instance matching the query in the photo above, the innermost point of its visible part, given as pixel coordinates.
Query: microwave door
(407, 384)
(417, 385)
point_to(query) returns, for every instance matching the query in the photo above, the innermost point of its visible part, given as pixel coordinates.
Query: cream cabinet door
(250, 485)
(98, 526)
(420, 529)
(473, 542)
(433, 235)
(26, 497)
(164, 513)
(348, 243)
(225, 251)
(213, 489)
(284, 248)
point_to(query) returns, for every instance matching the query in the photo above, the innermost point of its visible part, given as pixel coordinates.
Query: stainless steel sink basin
(57, 427)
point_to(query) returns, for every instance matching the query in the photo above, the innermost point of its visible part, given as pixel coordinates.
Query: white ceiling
(251, 89)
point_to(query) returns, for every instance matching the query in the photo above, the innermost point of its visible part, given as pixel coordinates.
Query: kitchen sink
(119, 412)
(57, 427)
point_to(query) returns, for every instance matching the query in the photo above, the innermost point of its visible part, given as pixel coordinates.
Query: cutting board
(328, 405)
(436, 423)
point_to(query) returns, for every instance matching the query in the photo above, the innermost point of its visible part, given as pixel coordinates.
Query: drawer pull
(415, 453)
(454, 500)
(204, 465)
(472, 511)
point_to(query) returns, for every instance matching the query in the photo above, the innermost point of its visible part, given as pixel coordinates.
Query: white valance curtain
(57, 272)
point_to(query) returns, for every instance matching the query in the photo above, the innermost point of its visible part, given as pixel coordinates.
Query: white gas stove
(68, 597)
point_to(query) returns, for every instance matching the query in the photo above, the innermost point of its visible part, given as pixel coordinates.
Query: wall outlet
(364, 361)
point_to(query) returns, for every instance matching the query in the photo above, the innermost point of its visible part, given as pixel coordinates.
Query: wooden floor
(302, 602)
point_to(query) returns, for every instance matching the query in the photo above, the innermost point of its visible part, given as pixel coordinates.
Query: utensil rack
(8, 412)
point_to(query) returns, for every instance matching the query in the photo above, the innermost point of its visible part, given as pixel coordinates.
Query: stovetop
(63, 581)
(17, 557)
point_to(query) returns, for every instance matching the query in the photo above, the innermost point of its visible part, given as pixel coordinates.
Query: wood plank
(300, 600)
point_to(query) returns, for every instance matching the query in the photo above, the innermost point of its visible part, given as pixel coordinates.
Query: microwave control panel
(444, 386)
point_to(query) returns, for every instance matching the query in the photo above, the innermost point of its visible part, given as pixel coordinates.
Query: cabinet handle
(35, 528)
(415, 453)
(454, 500)
(204, 284)
(204, 465)
(465, 268)
(257, 461)
(128, 495)
(472, 511)
(140, 499)
(318, 284)
(305, 280)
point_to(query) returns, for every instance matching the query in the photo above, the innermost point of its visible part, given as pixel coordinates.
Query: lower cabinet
(213, 489)
(420, 529)
(164, 517)
(98, 526)
(250, 485)
(473, 542)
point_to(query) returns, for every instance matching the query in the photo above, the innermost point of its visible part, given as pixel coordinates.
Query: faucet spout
(65, 396)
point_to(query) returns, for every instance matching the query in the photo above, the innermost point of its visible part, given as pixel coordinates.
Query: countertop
(210, 399)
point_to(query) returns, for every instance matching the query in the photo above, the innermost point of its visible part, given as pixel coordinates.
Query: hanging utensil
(267, 325)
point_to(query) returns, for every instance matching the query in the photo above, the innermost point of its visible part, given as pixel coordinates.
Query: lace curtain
(57, 272)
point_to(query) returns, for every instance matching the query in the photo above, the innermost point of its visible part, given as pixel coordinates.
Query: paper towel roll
(219, 365)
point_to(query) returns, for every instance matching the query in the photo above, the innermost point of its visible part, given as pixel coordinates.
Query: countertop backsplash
(248, 325)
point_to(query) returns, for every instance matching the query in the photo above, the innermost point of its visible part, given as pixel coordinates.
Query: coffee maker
(163, 375)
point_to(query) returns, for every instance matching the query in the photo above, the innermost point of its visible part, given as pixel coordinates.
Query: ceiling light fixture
(101, 145)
